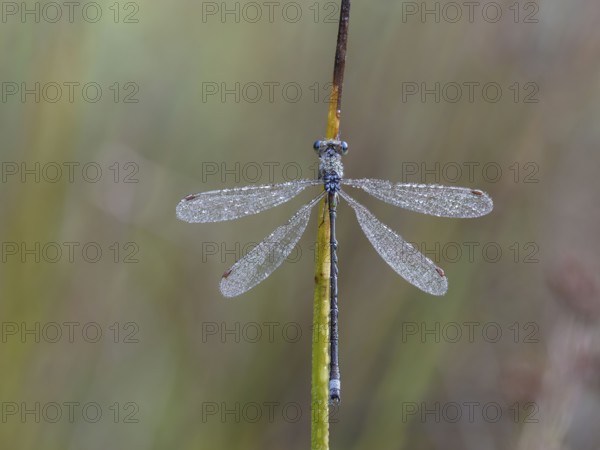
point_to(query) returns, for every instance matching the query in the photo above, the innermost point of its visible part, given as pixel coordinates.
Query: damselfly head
(330, 145)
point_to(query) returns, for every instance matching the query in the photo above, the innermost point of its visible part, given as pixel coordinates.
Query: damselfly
(262, 260)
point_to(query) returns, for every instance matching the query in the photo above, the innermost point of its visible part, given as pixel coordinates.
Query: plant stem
(320, 354)
(335, 103)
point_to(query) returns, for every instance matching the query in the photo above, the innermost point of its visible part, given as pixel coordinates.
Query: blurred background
(113, 331)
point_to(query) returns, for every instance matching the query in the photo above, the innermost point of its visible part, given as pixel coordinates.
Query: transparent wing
(263, 259)
(441, 201)
(405, 259)
(228, 204)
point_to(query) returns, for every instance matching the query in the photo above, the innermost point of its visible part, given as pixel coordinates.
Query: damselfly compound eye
(317, 145)
(344, 146)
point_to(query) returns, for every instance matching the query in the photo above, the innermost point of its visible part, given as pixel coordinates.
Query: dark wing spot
(227, 273)
(440, 271)
(475, 192)
(190, 197)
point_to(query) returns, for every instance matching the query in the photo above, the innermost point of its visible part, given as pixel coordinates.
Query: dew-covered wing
(228, 204)
(405, 259)
(436, 200)
(263, 259)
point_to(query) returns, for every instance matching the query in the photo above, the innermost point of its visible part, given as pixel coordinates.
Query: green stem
(320, 358)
